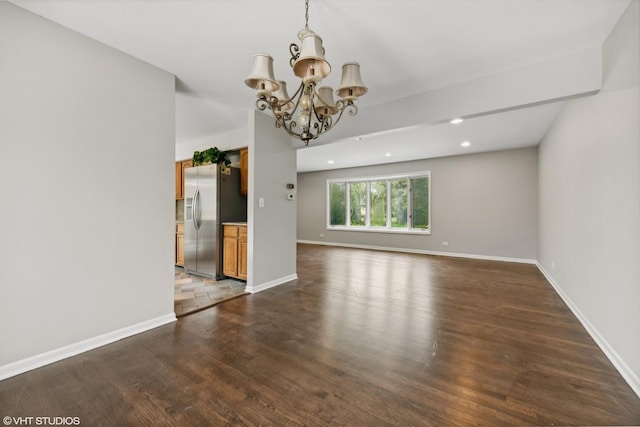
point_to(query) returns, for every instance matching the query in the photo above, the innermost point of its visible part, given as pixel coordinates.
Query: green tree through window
(378, 200)
(399, 191)
(420, 202)
(338, 203)
(358, 203)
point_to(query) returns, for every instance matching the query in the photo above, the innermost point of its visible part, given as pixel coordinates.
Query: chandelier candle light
(310, 112)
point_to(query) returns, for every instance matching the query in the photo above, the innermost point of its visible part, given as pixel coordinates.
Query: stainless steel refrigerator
(211, 197)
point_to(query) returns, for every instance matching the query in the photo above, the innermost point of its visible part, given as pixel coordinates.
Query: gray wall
(589, 239)
(482, 204)
(272, 228)
(87, 225)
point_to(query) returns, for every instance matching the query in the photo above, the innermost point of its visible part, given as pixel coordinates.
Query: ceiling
(405, 47)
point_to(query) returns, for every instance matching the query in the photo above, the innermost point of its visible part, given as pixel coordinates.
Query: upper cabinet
(179, 180)
(180, 167)
(244, 171)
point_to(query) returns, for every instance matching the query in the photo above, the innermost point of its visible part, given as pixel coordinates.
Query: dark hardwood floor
(361, 338)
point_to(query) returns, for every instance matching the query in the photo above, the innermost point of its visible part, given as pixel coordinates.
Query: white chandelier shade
(311, 66)
(351, 85)
(261, 77)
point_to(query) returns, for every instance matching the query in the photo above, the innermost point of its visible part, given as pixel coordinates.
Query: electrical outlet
(445, 243)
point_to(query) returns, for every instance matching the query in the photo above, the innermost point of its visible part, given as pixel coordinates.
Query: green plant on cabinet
(211, 156)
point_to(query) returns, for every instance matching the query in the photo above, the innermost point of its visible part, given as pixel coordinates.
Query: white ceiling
(512, 129)
(405, 47)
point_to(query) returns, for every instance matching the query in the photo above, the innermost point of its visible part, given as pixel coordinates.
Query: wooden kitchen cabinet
(180, 167)
(234, 263)
(244, 171)
(242, 253)
(180, 244)
(230, 251)
(179, 180)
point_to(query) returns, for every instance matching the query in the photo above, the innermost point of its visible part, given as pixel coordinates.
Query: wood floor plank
(361, 338)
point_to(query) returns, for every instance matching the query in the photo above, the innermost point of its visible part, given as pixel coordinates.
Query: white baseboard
(627, 373)
(264, 286)
(421, 251)
(39, 360)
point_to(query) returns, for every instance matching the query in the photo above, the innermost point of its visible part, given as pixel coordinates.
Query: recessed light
(457, 121)
(388, 154)
(358, 138)
(331, 162)
(465, 144)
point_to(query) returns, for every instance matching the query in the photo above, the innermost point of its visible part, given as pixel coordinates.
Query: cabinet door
(242, 260)
(242, 253)
(180, 167)
(230, 261)
(178, 180)
(180, 249)
(244, 171)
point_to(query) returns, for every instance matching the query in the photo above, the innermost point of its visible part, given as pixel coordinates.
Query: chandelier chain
(306, 14)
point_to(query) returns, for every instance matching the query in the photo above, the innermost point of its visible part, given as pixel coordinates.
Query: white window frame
(368, 227)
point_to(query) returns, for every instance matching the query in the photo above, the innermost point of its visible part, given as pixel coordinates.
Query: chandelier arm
(273, 102)
(289, 129)
(262, 103)
(315, 113)
(294, 50)
(344, 106)
(288, 116)
(352, 109)
(296, 93)
(347, 105)
(318, 127)
(324, 122)
(327, 123)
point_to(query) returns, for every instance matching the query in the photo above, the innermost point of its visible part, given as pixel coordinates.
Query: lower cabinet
(234, 246)
(242, 253)
(180, 244)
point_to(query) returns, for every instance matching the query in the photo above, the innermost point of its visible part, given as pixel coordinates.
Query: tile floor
(193, 293)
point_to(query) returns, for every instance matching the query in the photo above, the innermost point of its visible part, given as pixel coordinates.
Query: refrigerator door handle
(195, 209)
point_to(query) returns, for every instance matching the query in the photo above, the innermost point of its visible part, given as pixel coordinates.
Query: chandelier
(311, 111)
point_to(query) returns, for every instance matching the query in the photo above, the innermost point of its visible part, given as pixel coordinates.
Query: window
(338, 205)
(357, 204)
(398, 203)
